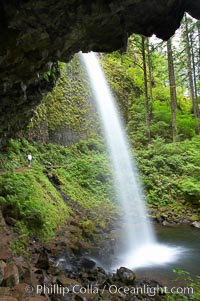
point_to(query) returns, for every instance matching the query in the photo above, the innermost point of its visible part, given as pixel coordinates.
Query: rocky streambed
(82, 280)
(62, 270)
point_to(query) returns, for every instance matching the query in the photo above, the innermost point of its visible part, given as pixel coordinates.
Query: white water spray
(139, 243)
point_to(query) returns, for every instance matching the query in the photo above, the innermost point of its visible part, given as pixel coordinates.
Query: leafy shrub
(192, 285)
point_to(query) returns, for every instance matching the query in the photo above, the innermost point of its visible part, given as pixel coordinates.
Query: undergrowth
(34, 197)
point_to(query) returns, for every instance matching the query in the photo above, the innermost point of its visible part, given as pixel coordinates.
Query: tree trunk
(172, 89)
(190, 75)
(193, 67)
(146, 89)
(150, 71)
(198, 30)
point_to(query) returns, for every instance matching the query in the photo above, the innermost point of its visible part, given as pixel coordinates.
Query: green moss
(32, 200)
(66, 107)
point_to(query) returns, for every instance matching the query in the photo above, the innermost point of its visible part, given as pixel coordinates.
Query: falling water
(139, 243)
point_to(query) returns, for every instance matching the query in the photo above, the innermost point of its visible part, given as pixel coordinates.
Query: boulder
(166, 223)
(11, 275)
(196, 224)
(87, 264)
(125, 275)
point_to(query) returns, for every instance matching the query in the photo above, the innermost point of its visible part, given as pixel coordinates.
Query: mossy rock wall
(67, 114)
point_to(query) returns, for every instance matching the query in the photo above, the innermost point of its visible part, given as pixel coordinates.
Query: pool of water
(184, 239)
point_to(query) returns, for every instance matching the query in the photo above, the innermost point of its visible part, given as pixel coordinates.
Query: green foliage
(186, 125)
(190, 189)
(18, 246)
(125, 75)
(125, 80)
(171, 175)
(29, 198)
(13, 146)
(190, 290)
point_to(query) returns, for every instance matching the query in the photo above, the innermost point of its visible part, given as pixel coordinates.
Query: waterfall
(139, 246)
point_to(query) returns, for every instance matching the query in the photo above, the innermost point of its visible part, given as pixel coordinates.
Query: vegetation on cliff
(170, 171)
(61, 183)
(66, 115)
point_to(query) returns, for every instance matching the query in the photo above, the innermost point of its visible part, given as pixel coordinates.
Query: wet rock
(11, 275)
(43, 261)
(159, 219)
(57, 266)
(155, 285)
(184, 220)
(150, 283)
(166, 223)
(88, 276)
(196, 224)
(97, 275)
(39, 276)
(87, 264)
(125, 275)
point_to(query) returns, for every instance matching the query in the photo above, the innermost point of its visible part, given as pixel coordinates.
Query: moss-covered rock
(67, 114)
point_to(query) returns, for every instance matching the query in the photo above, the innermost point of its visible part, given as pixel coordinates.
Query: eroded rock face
(34, 35)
